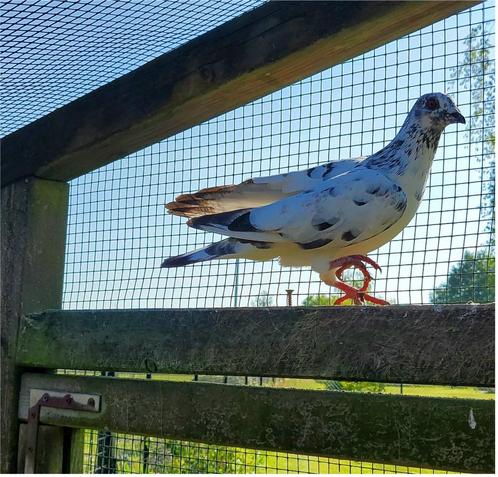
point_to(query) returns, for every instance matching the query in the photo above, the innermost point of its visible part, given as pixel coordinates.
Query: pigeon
(327, 217)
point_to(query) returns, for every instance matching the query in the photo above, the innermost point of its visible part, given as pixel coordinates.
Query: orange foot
(358, 296)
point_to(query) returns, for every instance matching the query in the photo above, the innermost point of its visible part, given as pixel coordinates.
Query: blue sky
(119, 233)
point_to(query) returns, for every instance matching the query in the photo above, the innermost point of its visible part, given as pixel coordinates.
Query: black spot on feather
(242, 224)
(310, 171)
(401, 205)
(326, 224)
(315, 244)
(359, 202)
(374, 190)
(328, 168)
(323, 226)
(348, 236)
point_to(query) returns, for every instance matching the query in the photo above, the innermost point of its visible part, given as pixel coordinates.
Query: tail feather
(223, 249)
(228, 248)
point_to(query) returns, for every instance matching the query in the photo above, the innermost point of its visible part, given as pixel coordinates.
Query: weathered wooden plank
(246, 58)
(410, 344)
(33, 236)
(427, 432)
(76, 454)
(49, 453)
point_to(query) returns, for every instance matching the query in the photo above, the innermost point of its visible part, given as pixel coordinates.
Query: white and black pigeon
(328, 217)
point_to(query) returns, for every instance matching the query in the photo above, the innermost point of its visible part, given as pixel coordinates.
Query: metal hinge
(39, 398)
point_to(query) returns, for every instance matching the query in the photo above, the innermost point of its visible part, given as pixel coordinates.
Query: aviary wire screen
(119, 231)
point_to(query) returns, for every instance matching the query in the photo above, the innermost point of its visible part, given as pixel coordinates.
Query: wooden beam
(76, 453)
(49, 453)
(34, 214)
(251, 56)
(410, 344)
(435, 433)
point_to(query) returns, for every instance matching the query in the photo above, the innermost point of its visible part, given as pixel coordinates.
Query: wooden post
(76, 452)
(34, 215)
(50, 452)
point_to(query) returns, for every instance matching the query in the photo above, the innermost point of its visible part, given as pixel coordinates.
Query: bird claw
(371, 262)
(358, 296)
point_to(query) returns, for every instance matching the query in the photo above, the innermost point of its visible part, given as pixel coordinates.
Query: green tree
(476, 73)
(264, 299)
(328, 300)
(473, 278)
(196, 458)
(470, 280)
(362, 387)
(320, 300)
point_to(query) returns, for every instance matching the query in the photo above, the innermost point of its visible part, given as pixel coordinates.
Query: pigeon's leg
(334, 278)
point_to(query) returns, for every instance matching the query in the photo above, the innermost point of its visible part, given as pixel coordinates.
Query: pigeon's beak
(457, 117)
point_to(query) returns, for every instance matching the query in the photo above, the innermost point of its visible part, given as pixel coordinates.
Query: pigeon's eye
(431, 104)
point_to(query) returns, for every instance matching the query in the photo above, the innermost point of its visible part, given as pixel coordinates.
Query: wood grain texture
(76, 453)
(424, 432)
(34, 214)
(49, 453)
(452, 344)
(244, 59)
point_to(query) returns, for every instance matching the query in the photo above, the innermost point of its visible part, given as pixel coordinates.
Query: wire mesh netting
(138, 454)
(118, 232)
(54, 51)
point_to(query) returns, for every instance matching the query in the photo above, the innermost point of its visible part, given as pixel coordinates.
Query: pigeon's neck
(408, 157)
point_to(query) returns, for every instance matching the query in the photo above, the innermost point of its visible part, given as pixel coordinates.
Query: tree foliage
(473, 278)
(476, 73)
(264, 299)
(470, 280)
(362, 387)
(319, 300)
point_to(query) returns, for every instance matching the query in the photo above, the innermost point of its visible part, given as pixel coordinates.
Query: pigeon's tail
(228, 248)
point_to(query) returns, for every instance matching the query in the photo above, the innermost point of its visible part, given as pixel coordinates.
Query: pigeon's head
(436, 111)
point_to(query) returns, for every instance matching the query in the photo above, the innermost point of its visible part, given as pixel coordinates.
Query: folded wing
(256, 192)
(346, 209)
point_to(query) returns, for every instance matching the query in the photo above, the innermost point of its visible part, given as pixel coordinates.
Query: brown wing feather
(213, 200)
(255, 192)
(200, 203)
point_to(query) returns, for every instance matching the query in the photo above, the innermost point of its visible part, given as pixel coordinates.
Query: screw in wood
(289, 297)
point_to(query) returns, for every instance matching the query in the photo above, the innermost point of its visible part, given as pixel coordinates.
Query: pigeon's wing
(347, 209)
(256, 192)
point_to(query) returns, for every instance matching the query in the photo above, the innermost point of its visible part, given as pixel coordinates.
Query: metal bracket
(39, 398)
